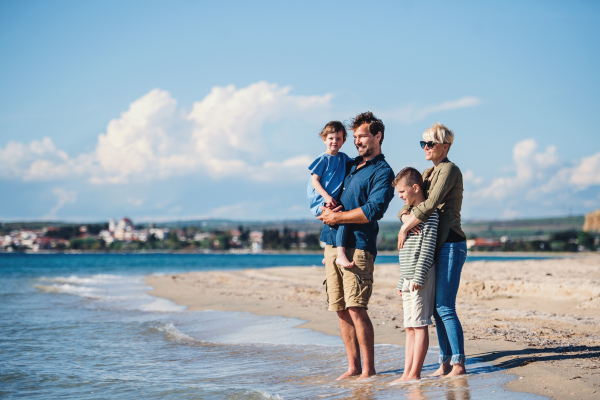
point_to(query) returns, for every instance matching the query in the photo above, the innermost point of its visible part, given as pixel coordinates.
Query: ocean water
(84, 327)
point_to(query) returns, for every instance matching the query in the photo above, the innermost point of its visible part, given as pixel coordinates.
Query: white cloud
(541, 179)
(469, 176)
(586, 173)
(222, 136)
(531, 167)
(64, 197)
(41, 161)
(411, 114)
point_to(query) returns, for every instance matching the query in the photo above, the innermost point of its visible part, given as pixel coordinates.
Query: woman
(444, 188)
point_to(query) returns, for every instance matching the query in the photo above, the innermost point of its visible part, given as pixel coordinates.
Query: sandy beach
(537, 319)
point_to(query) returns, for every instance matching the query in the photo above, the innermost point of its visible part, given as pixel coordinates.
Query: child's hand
(414, 286)
(330, 202)
(399, 292)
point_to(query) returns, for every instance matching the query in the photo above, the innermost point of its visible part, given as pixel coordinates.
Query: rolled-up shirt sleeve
(380, 196)
(445, 181)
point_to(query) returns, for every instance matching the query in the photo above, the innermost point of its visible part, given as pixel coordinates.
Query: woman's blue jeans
(449, 263)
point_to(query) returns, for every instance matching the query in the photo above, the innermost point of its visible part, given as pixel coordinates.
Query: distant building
(256, 238)
(592, 222)
(124, 229)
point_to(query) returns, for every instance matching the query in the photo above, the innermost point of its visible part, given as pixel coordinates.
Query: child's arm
(427, 253)
(316, 182)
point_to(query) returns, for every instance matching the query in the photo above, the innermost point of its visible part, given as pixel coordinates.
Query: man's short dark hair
(375, 125)
(410, 176)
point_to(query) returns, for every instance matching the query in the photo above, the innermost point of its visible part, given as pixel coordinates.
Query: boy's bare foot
(406, 378)
(442, 370)
(349, 374)
(457, 369)
(343, 261)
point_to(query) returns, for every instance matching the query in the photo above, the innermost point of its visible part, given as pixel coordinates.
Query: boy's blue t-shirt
(332, 170)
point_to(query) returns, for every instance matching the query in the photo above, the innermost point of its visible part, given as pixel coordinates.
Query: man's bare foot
(367, 374)
(348, 374)
(457, 369)
(442, 370)
(343, 261)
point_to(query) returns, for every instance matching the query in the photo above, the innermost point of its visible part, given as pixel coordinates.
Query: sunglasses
(429, 144)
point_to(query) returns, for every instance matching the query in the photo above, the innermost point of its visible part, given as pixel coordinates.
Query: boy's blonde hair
(439, 133)
(333, 127)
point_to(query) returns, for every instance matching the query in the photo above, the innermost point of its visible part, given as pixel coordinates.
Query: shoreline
(545, 338)
(500, 254)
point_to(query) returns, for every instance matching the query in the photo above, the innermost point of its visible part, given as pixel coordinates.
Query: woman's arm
(445, 181)
(316, 182)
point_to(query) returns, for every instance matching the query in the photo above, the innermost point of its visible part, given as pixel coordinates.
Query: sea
(83, 326)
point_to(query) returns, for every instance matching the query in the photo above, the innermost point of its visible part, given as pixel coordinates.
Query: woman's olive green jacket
(444, 192)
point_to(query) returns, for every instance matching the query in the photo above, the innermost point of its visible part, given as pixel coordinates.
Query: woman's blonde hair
(439, 133)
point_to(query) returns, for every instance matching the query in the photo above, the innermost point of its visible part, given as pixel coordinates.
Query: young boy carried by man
(417, 282)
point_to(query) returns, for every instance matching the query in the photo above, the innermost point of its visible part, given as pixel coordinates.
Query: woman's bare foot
(349, 374)
(442, 370)
(457, 369)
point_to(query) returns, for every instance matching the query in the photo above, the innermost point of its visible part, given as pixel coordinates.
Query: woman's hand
(401, 237)
(415, 230)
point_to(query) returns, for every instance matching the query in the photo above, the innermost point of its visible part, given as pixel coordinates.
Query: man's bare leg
(366, 339)
(350, 343)
(341, 258)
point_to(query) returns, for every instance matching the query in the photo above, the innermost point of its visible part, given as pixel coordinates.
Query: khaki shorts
(348, 287)
(418, 305)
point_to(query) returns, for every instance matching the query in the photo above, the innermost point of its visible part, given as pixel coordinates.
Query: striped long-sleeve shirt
(417, 254)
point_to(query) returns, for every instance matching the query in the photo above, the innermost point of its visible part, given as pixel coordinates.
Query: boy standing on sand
(417, 284)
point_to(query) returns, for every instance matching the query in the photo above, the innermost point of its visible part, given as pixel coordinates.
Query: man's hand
(414, 286)
(401, 237)
(399, 292)
(330, 216)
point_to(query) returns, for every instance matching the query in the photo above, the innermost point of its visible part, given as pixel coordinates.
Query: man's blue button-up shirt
(369, 188)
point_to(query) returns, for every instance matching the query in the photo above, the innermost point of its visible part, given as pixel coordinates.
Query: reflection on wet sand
(457, 389)
(416, 393)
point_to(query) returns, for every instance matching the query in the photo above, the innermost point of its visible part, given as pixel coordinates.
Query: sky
(175, 110)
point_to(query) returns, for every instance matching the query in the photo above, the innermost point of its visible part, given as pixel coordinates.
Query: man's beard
(367, 151)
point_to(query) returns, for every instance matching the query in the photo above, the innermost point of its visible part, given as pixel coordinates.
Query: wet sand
(537, 319)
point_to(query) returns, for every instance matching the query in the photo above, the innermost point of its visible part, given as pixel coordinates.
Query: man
(367, 192)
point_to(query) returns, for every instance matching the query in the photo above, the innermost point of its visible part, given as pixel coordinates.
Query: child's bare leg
(342, 260)
(420, 351)
(409, 347)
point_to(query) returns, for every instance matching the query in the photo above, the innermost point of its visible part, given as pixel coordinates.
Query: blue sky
(172, 110)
